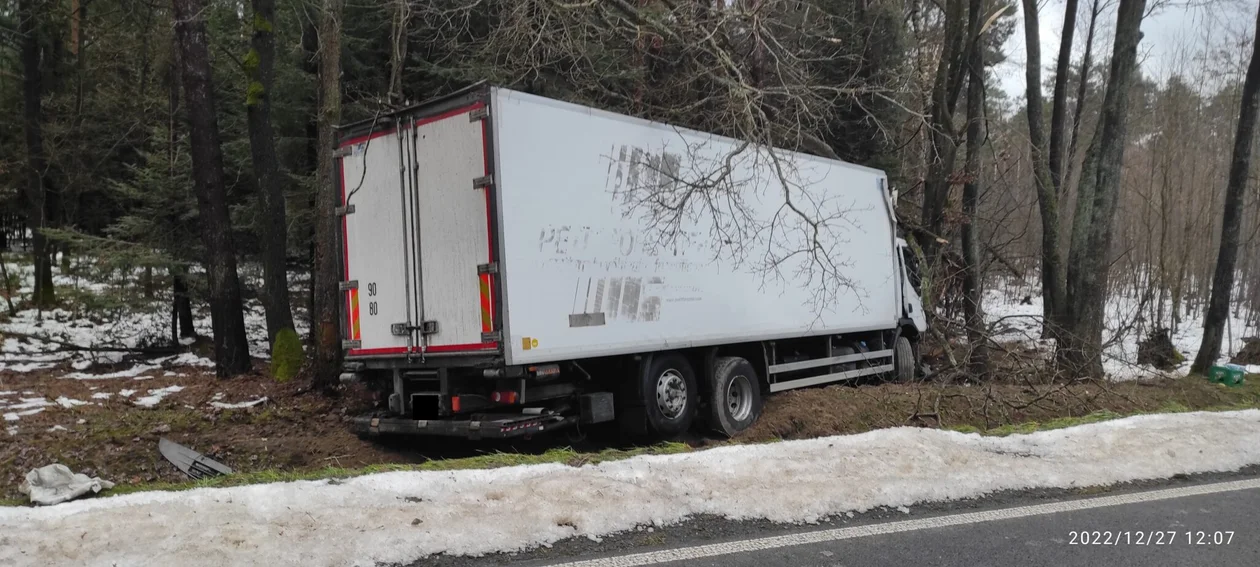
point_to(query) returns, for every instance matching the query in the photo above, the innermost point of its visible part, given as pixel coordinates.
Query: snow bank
(401, 517)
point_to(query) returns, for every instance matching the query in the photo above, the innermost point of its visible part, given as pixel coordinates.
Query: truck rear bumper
(488, 427)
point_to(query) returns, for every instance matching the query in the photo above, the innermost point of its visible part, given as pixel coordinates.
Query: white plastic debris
(55, 484)
(249, 404)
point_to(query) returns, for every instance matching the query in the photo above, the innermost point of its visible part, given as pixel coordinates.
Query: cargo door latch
(404, 329)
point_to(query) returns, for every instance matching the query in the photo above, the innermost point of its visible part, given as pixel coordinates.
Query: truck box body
(529, 234)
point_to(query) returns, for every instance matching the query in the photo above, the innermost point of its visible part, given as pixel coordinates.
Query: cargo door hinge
(492, 337)
(343, 211)
(347, 286)
(428, 327)
(479, 114)
(343, 152)
(491, 268)
(483, 181)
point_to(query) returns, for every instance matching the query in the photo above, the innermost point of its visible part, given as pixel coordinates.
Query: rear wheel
(669, 392)
(904, 360)
(734, 396)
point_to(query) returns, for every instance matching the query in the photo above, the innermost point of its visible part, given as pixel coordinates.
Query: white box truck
(516, 264)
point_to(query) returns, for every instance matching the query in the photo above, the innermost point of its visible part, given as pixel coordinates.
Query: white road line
(762, 544)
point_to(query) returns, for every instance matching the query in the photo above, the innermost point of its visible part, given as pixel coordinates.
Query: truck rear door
(418, 242)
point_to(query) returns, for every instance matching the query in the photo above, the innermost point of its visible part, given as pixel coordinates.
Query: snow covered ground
(127, 328)
(404, 516)
(1014, 321)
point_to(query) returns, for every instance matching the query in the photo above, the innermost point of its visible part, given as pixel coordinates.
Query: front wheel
(904, 360)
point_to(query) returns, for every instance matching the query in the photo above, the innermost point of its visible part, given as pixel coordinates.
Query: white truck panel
(454, 229)
(374, 237)
(581, 273)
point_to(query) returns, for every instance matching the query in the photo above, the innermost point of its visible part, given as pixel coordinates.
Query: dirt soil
(117, 440)
(295, 430)
(841, 409)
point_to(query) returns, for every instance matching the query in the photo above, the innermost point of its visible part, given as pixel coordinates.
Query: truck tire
(669, 394)
(904, 360)
(734, 396)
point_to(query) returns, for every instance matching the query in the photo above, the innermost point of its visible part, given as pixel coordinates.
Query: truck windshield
(912, 268)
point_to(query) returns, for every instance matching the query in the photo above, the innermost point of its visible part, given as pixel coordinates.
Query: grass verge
(565, 456)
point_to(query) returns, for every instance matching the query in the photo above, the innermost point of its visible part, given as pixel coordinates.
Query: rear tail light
(455, 403)
(505, 397)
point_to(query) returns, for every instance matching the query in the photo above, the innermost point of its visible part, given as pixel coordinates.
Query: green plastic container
(1227, 374)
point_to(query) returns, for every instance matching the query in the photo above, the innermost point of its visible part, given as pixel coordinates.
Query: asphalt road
(1160, 532)
(1028, 527)
(1203, 523)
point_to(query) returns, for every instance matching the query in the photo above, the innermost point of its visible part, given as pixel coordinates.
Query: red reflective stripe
(375, 351)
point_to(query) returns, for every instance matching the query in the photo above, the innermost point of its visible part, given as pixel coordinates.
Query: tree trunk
(36, 188)
(1080, 346)
(1227, 256)
(1082, 89)
(973, 308)
(260, 66)
(327, 262)
(1058, 111)
(231, 345)
(182, 304)
(942, 137)
(1052, 283)
(401, 20)
(310, 65)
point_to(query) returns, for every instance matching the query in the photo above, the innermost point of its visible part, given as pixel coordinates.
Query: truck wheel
(669, 392)
(734, 396)
(903, 360)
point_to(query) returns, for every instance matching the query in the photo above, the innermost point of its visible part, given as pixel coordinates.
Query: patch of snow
(542, 504)
(249, 404)
(1252, 369)
(187, 340)
(101, 396)
(128, 373)
(189, 359)
(69, 403)
(11, 430)
(143, 378)
(7, 393)
(81, 422)
(81, 364)
(1012, 321)
(15, 416)
(125, 393)
(26, 367)
(30, 403)
(57, 428)
(156, 396)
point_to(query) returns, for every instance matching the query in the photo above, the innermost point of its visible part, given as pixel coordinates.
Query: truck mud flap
(489, 427)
